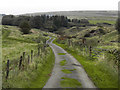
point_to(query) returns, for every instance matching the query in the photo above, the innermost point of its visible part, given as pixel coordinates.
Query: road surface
(78, 72)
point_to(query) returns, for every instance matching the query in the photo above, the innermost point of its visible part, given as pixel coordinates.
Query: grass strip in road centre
(68, 71)
(63, 62)
(70, 82)
(61, 53)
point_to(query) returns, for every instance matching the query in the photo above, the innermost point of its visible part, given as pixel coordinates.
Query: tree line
(51, 23)
(38, 22)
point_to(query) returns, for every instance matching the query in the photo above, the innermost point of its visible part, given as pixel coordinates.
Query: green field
(102, 21)
(37, 71)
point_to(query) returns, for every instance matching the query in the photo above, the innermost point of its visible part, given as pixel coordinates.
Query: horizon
(24, 6)
(65, 11)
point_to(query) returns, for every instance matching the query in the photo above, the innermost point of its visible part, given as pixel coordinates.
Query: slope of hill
(96, 48)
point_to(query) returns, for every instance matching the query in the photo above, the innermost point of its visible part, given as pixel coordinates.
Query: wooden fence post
(28, 59)
(7, 70)
(44, 47)
(83, 40)
(90, 49)
(38, 51)
(31, 55)
(23, 56)
(69, 42)
(20, 63)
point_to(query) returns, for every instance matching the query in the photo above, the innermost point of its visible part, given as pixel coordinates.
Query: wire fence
(25, 61)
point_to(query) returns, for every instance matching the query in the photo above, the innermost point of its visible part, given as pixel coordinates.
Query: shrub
(101, 31)
(87, 35)
(25, 27)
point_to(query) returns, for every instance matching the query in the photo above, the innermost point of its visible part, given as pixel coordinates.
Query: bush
(25, 27)
(87, 35)
(101, 31)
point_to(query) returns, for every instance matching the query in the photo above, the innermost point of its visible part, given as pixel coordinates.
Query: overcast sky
(30, 6)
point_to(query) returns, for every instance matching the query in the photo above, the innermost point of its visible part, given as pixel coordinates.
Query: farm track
(78, 72)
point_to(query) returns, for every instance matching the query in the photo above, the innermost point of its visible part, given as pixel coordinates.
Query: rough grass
(14, 43)
(112, 36)
(43, 73)
(98, 72)
(63, 62)
(32, 78)
(70, 82)
(13, 48)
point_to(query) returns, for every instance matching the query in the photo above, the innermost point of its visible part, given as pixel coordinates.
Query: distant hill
(79, 13)
(94, 15)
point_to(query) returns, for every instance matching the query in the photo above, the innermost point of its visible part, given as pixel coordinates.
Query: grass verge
(43, 73)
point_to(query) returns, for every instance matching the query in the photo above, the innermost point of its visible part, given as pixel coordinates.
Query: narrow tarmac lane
(78, 72)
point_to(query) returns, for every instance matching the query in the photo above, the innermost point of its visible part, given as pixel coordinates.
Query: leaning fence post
(20, 63)
(7, 70)
(31, 55)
